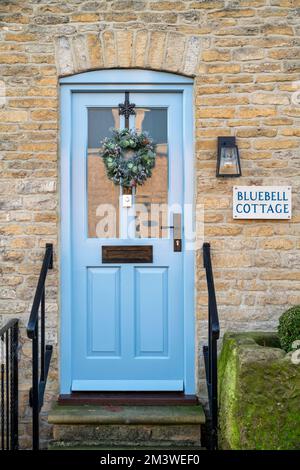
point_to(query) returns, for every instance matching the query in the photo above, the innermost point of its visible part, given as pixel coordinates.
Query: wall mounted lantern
(228, 157)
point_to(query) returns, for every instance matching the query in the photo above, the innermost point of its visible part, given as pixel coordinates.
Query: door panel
(104, 310)
(127, 319)
(151, 311)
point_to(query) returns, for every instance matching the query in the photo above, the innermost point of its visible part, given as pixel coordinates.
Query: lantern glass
(228, 158)
(229, 161)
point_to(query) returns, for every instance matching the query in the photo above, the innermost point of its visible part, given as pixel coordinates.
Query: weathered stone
(13, 59)
(250, 112)
(81, 53)
(130, 426)
(38, 147)
(30, 187)
(51, 19)
(276, 144)
(85, 17)
(110, 57)
(94, 50)
(248, 53)
(33, 102)
(10, 203)
(140, 48)
(187, 414)
(43, 115)
(259, 394)
(164, 6)
(214, 55)
(278, 29)
(137, 435)
(7, 293)
(13, 116)
(192, 55)
(38, 202)
(224, 68)
(222, 230)
(208, 4)
(64, 56)
(21, 37)
(175, 50)
(208, 112)
(265, 98)
(120, 17)
(124, 40)
(277, 244)
(156, 53)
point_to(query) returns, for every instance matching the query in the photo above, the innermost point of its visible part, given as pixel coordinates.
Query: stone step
(93, 414)
(126, 427)
(112, 435)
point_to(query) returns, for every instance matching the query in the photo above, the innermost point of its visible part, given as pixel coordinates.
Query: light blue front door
(127, 318)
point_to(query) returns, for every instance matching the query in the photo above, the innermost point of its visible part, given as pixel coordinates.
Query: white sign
(127, 200)
(262, 202)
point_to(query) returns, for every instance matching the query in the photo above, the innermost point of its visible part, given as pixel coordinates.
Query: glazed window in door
(127, 319)
(105, 218)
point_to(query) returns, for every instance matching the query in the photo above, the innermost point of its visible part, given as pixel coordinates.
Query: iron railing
(41, 353)
(9, 345)
(210, 351)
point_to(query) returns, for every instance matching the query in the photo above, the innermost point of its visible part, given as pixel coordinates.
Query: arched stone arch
(156, 50)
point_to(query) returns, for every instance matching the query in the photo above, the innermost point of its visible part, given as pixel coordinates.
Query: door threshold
(127, 398)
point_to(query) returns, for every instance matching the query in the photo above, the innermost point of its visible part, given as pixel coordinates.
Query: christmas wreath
(128, 156)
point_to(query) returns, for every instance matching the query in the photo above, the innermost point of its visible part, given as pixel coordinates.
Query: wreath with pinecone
(128, 156)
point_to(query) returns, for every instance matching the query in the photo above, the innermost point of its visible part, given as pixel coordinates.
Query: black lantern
(228, 157)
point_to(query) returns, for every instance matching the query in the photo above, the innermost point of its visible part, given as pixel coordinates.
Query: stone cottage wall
(245, 57)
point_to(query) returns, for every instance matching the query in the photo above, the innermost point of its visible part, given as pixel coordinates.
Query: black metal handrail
(210, 351)
(40, 362)
(9, 346)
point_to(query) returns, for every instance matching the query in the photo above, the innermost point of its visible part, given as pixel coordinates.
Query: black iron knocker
(126, 109)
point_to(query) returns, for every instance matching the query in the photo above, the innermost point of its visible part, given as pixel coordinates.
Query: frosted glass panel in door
(152, 197)
(103, 195)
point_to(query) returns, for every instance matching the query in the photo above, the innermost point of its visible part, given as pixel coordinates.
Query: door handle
(177, 232)
(177, 246)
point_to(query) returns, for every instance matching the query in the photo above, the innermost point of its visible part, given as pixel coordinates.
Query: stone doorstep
(157, 415)
(131, 436)
(122, 434)
(126, 427)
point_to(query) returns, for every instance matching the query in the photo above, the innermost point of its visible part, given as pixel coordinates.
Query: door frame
(123, 80)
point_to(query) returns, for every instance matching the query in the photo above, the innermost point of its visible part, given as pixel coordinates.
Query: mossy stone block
(259, 394)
